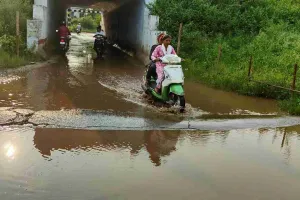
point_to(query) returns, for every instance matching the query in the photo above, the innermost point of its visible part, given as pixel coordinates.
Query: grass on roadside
(291, 105)
(12, 61)
(275, 50)
(267, 30)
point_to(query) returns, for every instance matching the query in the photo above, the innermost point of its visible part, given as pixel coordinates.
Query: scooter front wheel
(182, 103)
(179, 101)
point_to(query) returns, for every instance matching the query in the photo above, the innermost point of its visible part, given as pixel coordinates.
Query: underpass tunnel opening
(122, 22)
(127, 23)
(88, 18)
(124, 25)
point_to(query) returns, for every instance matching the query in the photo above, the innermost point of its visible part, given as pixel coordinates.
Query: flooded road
(112, 84)
(91, 134)
(77, 164)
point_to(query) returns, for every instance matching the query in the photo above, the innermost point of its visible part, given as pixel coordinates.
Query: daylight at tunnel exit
(149, 99)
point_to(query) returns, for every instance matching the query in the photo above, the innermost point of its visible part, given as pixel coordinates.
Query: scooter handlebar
(170, 63)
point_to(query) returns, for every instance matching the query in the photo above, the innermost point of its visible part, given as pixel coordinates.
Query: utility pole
(18, 33)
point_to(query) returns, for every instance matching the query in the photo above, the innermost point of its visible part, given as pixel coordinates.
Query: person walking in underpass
(78, 28)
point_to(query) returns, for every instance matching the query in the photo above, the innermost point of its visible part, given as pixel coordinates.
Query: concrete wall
(150, 28)
(41, 3)
(34, 28)
(41, 13)
(136, 29)
(123, 22)
(41, 16)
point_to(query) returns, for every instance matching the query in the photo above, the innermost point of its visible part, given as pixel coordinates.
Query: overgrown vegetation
(268, 30)
(89, 23)
(8, 38)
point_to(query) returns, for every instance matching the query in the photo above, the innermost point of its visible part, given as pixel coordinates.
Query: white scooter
(172, 86)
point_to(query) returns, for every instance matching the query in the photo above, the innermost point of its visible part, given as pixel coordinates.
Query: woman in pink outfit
(159, 52)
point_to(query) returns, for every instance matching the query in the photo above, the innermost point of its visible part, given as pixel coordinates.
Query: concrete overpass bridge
(126, 21)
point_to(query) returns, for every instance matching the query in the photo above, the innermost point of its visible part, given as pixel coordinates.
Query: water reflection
(157, 143)
(288, 136)
(237, 164)
(160, 144)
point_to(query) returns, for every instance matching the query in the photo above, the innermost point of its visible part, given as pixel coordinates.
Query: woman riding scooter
(159, 52)
(168, 87)
(151, 72)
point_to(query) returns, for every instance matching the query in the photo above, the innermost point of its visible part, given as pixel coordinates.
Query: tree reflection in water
(157, 143)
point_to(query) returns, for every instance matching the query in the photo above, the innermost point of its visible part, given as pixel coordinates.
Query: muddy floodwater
(76, 164)
(92, 134)
(111, 84)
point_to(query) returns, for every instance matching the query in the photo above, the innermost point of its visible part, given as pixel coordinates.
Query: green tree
(268, 30)
(8, 11)
(88, 23)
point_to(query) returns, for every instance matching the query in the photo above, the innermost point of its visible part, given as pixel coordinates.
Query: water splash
(8, 79)
(248, 112)
(130, 89)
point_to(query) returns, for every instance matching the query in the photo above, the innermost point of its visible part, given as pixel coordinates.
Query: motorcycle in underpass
(64, 43)
(100, 44)
(172, 92)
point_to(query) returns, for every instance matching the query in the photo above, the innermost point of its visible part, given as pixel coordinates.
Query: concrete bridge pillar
(37, 28)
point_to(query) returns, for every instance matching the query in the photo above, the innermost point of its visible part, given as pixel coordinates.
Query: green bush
(8, 40)
(8, 43)
(8, 11)
(274, 50)
(291, 105)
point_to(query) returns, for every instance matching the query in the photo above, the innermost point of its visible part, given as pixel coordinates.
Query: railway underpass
(126, 22)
